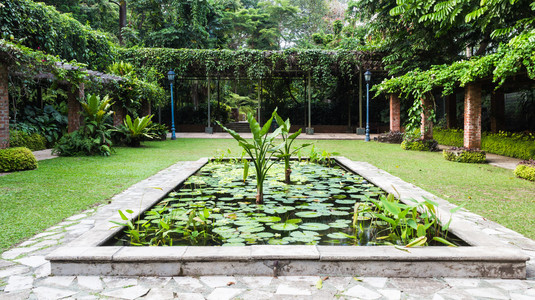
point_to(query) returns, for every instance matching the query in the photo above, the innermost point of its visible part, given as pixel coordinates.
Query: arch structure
(311, 66)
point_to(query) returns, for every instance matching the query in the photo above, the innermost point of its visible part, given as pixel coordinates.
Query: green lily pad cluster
(323, 206)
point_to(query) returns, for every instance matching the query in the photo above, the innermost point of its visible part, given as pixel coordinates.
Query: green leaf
(444, 241)
(417, 242)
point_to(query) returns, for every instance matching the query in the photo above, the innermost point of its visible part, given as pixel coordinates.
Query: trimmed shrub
(519, 145)
(465, 155)
(392, 137)
(17, 159)
(32, 141)
(526, 170)
(419, 145)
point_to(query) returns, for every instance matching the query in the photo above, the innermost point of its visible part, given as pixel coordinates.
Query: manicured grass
(31, 201)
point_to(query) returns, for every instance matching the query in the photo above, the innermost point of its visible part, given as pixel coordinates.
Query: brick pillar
(451, 111)
(395, 113)
(145, 108)
(426, 128)
(73, 104)
(497, 111)
(4, 107)
(119, 113)
(472, 116)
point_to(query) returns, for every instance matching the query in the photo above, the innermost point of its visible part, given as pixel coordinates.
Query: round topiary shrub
(526, 169)
(17, 159)
(465, 155)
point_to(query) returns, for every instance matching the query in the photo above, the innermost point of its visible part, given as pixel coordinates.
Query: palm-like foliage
(285, 152)
(96, 109)
(137, 129)
(261, 150)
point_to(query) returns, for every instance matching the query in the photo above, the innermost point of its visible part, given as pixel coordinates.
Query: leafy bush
(48, 122)
(133, 132)
(519, 145)
(17, 159)
(32, 141)
(393, 137)
(412, 141)
(526, 170)
(94, 137)
(465, 155)
(159, 131)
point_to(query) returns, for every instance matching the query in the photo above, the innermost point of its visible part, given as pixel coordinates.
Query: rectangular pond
(317, 249)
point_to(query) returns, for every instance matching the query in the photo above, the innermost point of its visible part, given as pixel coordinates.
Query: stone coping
(486, 257)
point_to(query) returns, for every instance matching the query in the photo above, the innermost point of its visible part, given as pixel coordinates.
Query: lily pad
(337, 235)
(308, 214)
(271, 219)
(278, 242)
(314, 226)
(284, 226)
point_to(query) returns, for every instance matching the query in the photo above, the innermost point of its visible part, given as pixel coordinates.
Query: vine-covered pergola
(314, 67)
(19, 61)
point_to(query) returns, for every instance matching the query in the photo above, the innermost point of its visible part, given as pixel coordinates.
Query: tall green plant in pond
(286, 151)
(261, 150)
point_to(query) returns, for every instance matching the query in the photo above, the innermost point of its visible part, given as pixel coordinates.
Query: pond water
(217, 207)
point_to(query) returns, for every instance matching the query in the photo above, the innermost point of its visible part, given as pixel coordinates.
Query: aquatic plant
(286, 151)
(260, 151)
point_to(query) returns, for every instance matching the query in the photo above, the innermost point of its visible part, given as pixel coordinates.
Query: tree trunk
(260, 197)
(122, 20)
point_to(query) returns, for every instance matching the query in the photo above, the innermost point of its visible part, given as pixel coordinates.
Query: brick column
(472, 116)
(426, 128)
(497, 111)
(451, 111)
(145, 108)
(395, 113)
(73, 104)
(119, 113)
(4, 107)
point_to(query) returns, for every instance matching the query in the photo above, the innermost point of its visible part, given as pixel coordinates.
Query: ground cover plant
(325, 206)
(32, 201)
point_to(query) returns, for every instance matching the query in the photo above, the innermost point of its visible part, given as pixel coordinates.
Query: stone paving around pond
(25, 274)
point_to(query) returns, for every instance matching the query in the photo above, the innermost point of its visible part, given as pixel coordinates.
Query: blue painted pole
(367, 139)
(173, 136)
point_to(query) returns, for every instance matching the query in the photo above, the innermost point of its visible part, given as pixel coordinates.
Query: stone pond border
(487, 256)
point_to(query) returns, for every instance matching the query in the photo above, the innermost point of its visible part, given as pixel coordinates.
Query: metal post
(173, 136)
(367, 139)
(309, 129)
(209, 129)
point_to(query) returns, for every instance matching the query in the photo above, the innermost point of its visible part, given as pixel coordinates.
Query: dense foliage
(517, 145)
(33, 141)
(464, 155)
(526, 169)
(41, 27)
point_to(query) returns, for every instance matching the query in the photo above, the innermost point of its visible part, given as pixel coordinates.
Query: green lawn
(31, 201)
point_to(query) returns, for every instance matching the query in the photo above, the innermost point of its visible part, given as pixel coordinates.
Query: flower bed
(465, 155)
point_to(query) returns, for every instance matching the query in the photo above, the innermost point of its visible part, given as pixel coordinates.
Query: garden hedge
(465, 155)
(503, 143)
(32, 141)
(17, 159)
(419, 145)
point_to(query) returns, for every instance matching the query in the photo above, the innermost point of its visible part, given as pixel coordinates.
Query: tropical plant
(286, 151)
(135, 131)
(260, 151)
(94, 136)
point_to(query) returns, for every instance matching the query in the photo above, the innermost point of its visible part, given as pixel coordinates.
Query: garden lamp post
(368, 78)
(171, 78)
